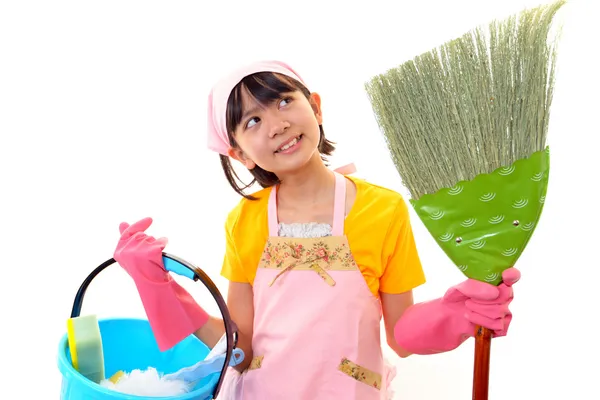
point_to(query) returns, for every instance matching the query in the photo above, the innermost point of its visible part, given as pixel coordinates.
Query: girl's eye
(285, 101)
(250, 122)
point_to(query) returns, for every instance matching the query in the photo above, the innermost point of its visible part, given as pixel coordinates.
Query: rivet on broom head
(458, 239)
(516, 222)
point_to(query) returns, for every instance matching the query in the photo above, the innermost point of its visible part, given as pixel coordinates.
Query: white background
(102, 117)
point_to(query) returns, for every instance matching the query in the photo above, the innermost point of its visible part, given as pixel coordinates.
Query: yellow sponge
(115, 378)
(85, 345)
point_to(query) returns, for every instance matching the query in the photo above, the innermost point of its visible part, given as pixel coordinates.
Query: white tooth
(290, 144)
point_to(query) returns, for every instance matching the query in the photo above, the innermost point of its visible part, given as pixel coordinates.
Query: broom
(466, 126)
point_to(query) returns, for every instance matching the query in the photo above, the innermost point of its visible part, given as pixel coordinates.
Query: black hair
(264, 87)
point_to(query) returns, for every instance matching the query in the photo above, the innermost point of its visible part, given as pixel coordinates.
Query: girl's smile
(289, 146)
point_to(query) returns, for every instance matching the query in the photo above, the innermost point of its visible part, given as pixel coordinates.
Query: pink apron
(316, 323)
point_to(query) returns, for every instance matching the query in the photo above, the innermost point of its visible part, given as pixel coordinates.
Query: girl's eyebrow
(250, 111)
(256, 108)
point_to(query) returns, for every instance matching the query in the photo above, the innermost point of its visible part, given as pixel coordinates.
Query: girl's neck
(311, 187)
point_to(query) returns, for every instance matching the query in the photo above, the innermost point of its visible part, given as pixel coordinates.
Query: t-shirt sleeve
(232, 268)
(402, 269)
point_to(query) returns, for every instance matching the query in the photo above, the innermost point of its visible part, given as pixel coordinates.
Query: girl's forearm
(211, 332)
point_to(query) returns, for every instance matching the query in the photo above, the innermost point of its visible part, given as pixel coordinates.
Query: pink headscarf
(218, 139)
(217, 100)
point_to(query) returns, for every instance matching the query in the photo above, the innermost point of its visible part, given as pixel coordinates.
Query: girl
(315, 259)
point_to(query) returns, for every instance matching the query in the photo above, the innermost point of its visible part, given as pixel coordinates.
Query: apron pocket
(256, 363)
(361, 374)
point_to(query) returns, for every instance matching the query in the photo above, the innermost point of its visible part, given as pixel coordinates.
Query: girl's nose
(278, 127)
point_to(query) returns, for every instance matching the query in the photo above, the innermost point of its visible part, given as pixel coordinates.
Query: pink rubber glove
(172, 312)
(444, 324)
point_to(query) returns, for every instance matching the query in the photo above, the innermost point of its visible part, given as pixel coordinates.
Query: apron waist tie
(313, 267)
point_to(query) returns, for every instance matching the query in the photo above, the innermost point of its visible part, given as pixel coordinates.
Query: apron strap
(272, 212)
(339, 208)
(339, 205)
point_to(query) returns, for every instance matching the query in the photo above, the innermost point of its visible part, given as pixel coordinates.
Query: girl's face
(281, 136)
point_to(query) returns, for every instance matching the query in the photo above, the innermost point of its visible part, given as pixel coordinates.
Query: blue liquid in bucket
(129, 344)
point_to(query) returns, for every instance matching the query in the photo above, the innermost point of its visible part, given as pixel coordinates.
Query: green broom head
(466, 127)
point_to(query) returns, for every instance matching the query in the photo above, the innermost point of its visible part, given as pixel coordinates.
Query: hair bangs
(264, 87)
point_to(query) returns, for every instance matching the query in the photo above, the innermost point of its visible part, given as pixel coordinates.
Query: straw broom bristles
(470, 106)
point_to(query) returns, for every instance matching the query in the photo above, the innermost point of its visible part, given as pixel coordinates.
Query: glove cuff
(433, 327)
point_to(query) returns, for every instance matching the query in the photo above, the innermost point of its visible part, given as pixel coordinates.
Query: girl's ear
(315, 102)
(239, 155)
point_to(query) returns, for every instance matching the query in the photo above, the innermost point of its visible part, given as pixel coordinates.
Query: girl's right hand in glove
(172, 312)
(139, 254)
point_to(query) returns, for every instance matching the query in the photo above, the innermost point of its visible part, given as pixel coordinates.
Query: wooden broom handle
(481, 370)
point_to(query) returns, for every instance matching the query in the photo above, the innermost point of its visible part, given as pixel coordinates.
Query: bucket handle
(183, 268)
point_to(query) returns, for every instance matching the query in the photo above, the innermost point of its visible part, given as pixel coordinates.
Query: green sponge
(85, 344)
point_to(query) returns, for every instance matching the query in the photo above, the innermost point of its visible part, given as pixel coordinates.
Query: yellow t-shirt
(377, 227)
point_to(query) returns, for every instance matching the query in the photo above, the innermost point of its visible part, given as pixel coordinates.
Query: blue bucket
(128, 344)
